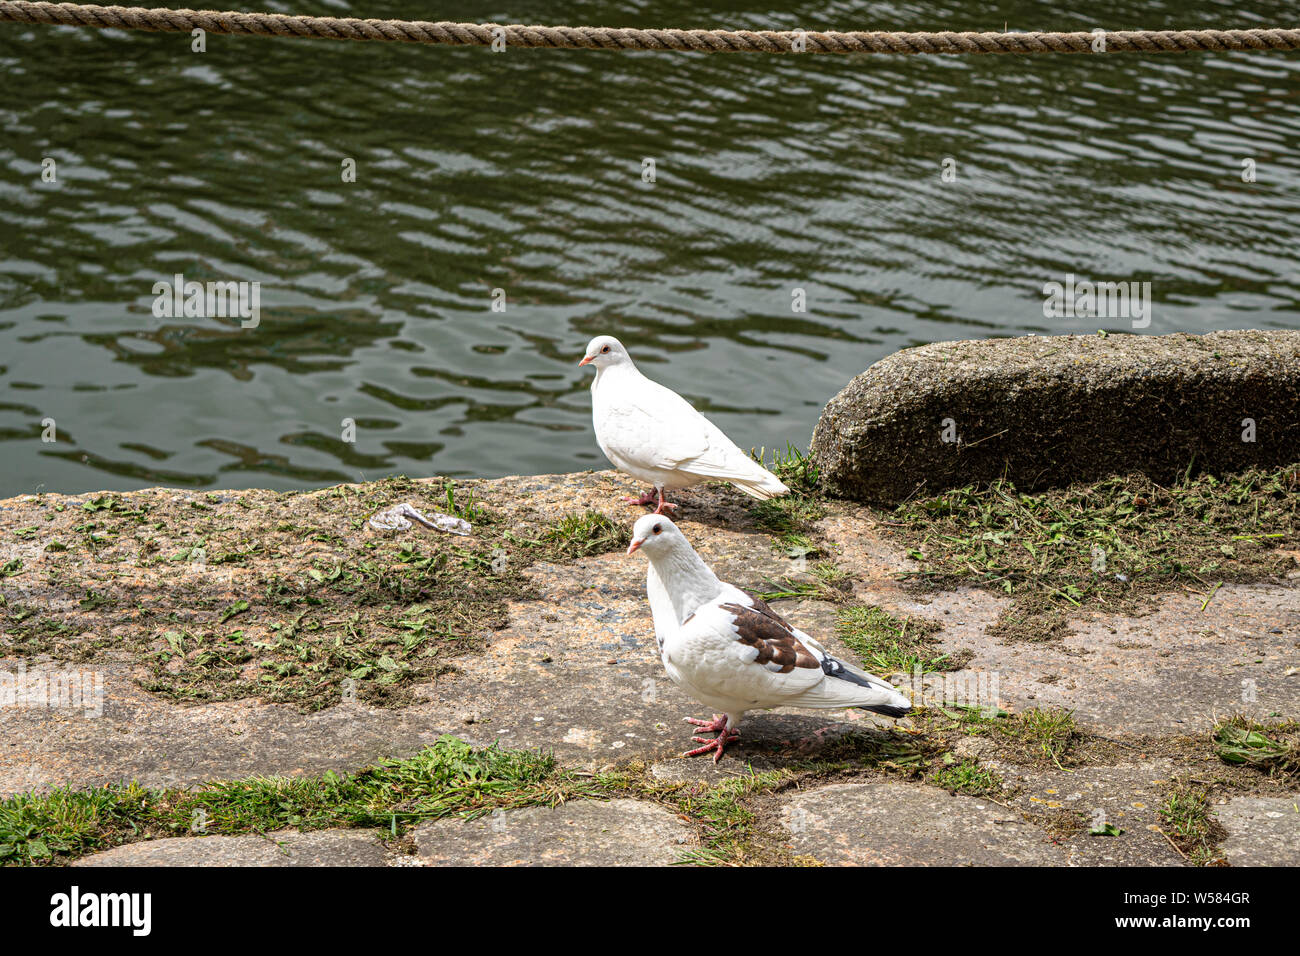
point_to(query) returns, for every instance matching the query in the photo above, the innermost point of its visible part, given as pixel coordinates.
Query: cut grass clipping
(289, 598)
(1270, 748)
(1105, 545)
(886, 645)
(826, 581)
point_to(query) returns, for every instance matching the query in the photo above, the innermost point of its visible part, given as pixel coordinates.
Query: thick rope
(608, 38)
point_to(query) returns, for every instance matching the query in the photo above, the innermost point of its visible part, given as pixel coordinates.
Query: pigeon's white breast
(632, 440)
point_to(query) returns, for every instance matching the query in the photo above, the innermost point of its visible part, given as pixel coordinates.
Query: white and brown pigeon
(733, 653)
(652, 433)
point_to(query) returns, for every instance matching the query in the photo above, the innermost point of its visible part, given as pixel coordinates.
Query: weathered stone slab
(1125, 796)
(590, 833)
(282, 848)
(1171, 669)
(594, 694)
(1045, 410)
(576, 669)
(1262, 831)
(901, 824)
(600, 699)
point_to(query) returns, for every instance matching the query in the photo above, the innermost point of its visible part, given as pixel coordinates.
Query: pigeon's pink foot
(716, 745)
(664, 504)
(717, 725)
(648, 498)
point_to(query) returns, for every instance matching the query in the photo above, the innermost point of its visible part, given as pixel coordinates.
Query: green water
(523, 171)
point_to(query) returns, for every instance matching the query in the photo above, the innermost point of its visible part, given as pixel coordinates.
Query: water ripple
(523, 172)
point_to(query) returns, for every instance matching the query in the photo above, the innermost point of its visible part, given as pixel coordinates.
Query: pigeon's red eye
(658, 528)
(605, 349)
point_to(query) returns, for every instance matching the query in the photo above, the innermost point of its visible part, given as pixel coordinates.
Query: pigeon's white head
(605, 350)
(655, 535)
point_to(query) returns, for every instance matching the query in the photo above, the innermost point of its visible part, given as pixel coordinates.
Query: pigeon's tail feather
(889, 710)
(888, 701)
(856, 688)
(852, 691)
(764, 487)
(726, 462)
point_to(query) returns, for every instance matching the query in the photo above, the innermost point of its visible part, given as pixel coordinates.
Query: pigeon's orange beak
(585, 360)
(636, 543)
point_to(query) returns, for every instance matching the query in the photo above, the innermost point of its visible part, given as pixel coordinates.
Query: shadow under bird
(653, 434)
(730, 651)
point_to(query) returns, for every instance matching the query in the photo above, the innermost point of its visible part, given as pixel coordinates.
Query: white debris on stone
(399, 518)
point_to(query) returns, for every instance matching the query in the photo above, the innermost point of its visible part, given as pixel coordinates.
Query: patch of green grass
(789, 517)
(1052, 731)
(1187, 821)
(1039, 734)
(1104, 544)
(577, 536)
(450, 778)
(886, 645)
(793, 466)
(966, 776)
(467, 507)
(67, 823)
(1271, 748)
(724, 813)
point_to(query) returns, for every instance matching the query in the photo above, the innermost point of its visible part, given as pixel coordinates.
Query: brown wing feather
(762, 607)
(761, 628)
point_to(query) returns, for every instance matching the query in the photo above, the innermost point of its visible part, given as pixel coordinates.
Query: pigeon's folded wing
(668, 429)
(811, 676)
(657, 440)
(727, 652)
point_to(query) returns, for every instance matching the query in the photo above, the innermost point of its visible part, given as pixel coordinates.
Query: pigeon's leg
(646, 499)
(723, 726)
(664, 504)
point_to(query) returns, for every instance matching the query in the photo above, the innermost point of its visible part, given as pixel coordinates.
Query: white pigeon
(730, 651)
(652, 433)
